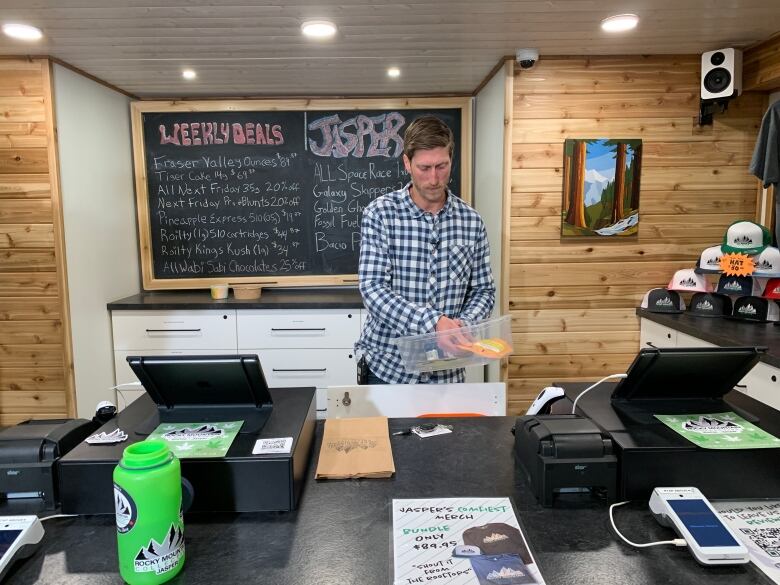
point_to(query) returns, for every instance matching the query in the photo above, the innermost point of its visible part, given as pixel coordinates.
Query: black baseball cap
(755, 309)
(661, 300)
(709, 305)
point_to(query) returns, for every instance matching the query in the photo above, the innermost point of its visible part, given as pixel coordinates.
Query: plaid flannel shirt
(415, 267)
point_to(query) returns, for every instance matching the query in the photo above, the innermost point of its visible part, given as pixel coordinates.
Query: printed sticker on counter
(267, 446)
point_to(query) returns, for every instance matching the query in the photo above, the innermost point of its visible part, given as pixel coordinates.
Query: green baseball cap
(747, 237)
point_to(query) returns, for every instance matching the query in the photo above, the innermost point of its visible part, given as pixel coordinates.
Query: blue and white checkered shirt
(415, 267)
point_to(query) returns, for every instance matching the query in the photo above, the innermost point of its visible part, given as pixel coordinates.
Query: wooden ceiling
(254, 47)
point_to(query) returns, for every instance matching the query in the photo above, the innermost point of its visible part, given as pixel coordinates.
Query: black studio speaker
(721, 74)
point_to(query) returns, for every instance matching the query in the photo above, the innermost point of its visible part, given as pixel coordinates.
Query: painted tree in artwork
(619, 148)
(575, 215)
(636, 166)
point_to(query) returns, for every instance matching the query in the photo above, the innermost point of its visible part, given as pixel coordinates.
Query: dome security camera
(527, 58)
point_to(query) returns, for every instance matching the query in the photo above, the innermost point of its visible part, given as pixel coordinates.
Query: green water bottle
(150, 530)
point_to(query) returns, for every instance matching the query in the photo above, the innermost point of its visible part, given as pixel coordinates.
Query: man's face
(430, 171)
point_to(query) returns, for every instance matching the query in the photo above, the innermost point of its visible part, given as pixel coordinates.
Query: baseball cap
(687, 280)
(660, 300)
(747, 237)
(709, 305)
(757, 309)
(768, 262)
(709, 261)
(740, 285)
(772, 289)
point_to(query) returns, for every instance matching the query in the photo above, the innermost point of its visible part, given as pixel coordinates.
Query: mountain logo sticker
(664, 302)
(747, 310)
(505, 574)
(705, 306)
(161, 557)
(709, 425)
(732, 285)
(743, 240)
(495, 537)
(687, 282)
(126, 512)
(201, 433)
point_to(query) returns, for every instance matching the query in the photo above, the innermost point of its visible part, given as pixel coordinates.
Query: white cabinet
(684, 340)
(306, 347)
(763, 383)
(652, 334)
(303, 347)
(167, 333)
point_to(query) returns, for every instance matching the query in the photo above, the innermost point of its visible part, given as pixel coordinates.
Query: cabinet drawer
(307, 367)
(654, 335)
(763, 384)
(139, 330)
(298, 329)
(684, 340)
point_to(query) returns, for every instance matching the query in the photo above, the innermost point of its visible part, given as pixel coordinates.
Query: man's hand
(450, 336)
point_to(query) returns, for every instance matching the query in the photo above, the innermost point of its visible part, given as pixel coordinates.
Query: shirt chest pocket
(459, 262)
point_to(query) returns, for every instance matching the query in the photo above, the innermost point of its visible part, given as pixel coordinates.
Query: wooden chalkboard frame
(310, 105)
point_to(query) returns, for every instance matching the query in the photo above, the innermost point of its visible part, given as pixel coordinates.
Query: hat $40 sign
(601, 188)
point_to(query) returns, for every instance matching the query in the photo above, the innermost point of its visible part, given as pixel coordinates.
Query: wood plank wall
(36, 379)
(573, 304)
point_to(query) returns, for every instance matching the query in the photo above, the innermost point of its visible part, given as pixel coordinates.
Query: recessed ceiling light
(23, 32)
(189, 74)
(394, 72)
(619, 22)
(318, 29)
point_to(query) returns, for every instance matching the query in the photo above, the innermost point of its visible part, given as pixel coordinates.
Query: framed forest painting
(601, 188)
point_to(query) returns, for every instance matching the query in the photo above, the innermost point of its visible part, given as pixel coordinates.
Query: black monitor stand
(683, 381)
(197, 389)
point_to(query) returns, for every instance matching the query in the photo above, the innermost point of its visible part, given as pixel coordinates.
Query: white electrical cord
(119, 387)
(675, 542)
(589, 388)
(57, 516)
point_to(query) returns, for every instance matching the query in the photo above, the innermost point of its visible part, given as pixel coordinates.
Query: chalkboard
(245, 192)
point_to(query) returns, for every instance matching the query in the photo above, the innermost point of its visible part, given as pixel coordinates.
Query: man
(424, 260)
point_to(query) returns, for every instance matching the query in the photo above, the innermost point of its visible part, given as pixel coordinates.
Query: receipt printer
(29, 452)
(565, 454)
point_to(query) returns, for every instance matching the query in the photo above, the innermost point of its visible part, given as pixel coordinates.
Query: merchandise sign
(463, 541)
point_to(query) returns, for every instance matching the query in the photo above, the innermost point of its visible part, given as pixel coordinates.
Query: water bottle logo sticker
(126, 511)
(161, 557)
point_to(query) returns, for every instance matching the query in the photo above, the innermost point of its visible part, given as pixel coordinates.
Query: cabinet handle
(740, 385)
(298, 329)
(301, 370)
(173, 330)
(650, 344)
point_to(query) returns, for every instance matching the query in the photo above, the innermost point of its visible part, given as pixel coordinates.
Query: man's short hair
(426, 133)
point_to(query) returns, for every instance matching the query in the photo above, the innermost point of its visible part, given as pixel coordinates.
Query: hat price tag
(737, 264)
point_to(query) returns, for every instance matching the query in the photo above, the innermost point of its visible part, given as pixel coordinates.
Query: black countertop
(723, 332)
(271, 298)
(340, 535)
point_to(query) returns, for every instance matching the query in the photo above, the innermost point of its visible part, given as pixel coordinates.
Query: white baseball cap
(768, 262)
(709, 261)
(687, 280)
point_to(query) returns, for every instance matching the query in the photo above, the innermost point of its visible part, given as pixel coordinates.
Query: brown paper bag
(355, 447)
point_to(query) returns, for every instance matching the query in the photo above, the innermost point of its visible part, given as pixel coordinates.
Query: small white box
(473, 345)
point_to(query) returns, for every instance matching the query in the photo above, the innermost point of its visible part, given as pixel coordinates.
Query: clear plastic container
(474, 345)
